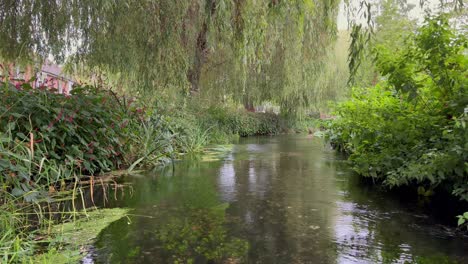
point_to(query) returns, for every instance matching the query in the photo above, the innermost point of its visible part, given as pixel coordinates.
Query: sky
(416, 13)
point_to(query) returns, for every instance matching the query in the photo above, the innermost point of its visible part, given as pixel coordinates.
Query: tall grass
(195, 139)
(151, 143)
(31, 229)
(13, 245)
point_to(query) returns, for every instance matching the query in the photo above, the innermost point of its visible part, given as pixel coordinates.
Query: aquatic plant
(200, 235)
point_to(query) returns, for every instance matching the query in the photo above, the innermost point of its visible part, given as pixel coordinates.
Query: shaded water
(286, 199)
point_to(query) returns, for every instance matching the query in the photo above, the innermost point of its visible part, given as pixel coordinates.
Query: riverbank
(51, 143)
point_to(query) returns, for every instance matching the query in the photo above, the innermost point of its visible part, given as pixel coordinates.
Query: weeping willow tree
(279, 47)
(247, 51)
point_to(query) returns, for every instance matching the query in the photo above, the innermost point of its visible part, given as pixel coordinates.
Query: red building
(49, 75)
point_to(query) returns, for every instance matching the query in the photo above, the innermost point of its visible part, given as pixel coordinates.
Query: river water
(283, 199)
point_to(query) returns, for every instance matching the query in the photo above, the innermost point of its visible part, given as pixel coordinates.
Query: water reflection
(279, 193)
(289, 198)
(227, 181)
(182, 221)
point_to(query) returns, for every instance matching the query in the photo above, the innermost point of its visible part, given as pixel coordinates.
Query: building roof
(51, 68)
(54, 69)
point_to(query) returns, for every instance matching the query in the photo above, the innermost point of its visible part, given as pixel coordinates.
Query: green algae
(70, 240)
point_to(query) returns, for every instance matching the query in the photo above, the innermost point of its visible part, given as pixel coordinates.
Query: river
(282, 199)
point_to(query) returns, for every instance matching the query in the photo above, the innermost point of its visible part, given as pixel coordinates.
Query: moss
(72, 238)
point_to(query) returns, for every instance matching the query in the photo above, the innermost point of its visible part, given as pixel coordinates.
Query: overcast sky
(416, 13)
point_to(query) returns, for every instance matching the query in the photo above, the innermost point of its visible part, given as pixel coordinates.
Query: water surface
(285, 199)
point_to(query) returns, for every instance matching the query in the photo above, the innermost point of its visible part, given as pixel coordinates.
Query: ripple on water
(292, 199)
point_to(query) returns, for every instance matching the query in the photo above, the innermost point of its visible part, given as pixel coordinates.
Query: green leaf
(421, 190)
(461, 221)
(130, 169)
(17, 115)
(17, 192)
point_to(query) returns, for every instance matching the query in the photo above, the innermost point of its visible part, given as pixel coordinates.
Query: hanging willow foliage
(279, 50)
(245, 50)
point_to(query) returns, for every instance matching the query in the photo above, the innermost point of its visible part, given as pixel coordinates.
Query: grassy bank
(31, 236)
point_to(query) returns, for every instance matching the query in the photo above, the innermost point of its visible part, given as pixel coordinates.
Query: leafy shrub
(81, 132)
(306, 124)
(411, 129)
(47, 138)
(196, 126)
(462, 220)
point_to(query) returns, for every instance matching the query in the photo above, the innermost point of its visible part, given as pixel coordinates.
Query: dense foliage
(392, 26)
(241, 122)
(47, 136)
(411, 128)
(368, 18)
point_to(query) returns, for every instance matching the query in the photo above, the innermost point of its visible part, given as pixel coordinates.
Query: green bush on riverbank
(411, 128)
(47, 137)
(240, 122)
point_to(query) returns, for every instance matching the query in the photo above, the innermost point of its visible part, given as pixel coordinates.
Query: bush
(47, 138)
(149, 142)
(196, 126)
(80, 132)
(411, 129)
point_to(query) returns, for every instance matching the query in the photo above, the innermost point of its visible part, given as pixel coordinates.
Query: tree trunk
(248, 105)
(200, 58)
(201, 52)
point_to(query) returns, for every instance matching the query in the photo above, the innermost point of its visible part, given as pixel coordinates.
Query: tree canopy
(242, 50)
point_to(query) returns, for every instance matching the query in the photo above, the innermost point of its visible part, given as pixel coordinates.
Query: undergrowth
(411, 129)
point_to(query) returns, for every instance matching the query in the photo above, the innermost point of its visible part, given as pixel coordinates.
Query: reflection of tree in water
(198, 235)
(277, 191)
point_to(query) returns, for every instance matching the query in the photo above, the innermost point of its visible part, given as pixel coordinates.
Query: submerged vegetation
(199, 235)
